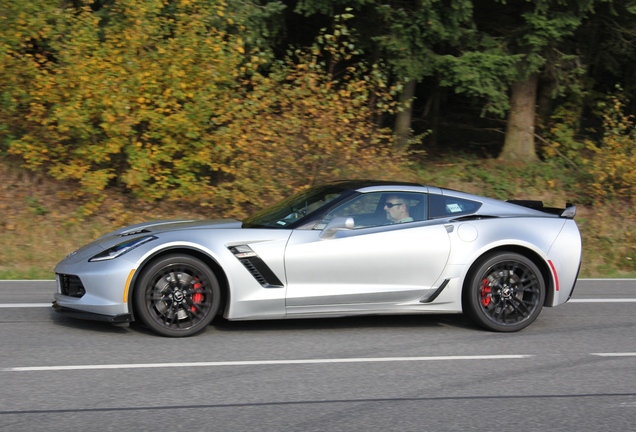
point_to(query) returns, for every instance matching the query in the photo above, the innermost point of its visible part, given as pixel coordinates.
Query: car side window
(445, 206)
(370, 209)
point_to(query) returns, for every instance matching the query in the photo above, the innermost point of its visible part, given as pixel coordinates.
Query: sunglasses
(391, 205)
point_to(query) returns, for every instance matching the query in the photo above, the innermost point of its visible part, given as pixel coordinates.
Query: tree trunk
(519, 143)
(403, 118)
(544, 100)
(432, 116)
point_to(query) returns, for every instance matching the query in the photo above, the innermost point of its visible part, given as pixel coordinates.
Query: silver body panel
(386, 269)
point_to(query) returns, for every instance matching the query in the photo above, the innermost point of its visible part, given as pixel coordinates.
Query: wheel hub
(178, 296)
(506, 292)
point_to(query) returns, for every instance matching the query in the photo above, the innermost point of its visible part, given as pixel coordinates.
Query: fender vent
(256, 266)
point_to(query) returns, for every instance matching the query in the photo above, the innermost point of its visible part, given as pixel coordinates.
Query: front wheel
(505, 292)
(177, 296)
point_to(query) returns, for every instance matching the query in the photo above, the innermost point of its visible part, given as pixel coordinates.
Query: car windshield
(294, 208)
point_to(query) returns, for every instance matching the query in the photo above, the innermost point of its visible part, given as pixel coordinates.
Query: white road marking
(284, 362)
(603, 300)
(27, 280)
(608, 279)
(261, 363)
(24, 305)
(625, 354)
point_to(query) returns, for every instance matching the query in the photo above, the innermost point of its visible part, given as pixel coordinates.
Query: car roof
(360, 184)
(490, 206)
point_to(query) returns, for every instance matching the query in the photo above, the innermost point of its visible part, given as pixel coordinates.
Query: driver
(397, 209)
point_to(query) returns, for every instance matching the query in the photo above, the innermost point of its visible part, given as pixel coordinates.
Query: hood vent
(134, 232)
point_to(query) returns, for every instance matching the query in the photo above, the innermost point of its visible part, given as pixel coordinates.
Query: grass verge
(39, 226)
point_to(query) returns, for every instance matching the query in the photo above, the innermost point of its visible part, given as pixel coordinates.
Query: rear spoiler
(568, 212)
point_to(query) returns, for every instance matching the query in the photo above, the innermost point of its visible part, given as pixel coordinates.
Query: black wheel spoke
(171, 318)
(519, 311)
(498, 312)
(521, 306)
(172, 281)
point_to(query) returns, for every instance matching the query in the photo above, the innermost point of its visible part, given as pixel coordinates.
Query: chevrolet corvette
(339, 249)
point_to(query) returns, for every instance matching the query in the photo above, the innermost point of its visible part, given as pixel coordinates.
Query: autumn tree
(175, 100)
(24, 52)
(120, 101)
(310, 121)
(609, 163)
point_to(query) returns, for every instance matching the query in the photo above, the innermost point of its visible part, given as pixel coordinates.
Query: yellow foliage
(166, 100)
(613, 167)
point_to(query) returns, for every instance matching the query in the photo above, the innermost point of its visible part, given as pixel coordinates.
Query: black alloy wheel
(505, 292)
(177, 296)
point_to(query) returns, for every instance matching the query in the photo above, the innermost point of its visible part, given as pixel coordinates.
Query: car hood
(144, 229)
(172, 225)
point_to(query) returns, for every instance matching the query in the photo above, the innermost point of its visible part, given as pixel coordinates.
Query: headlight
(121, 248)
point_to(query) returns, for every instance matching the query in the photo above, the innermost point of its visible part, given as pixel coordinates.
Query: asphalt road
(574, 369)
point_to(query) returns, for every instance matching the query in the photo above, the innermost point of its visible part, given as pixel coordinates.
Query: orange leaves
(169, 103)
(116, 85)
(613, 165)
(305, 127)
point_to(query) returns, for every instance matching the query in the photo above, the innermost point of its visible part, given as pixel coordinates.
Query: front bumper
(94, 288)
(74, 313)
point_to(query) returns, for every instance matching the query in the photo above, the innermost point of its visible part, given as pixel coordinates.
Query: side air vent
(436, 293)
(256, 266)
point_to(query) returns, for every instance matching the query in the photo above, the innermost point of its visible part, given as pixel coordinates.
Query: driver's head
(396, 208)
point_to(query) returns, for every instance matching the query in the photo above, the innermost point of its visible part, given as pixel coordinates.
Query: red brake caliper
(197, 297)
(485, 293)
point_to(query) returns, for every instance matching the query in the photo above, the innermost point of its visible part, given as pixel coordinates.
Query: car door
(372, 263)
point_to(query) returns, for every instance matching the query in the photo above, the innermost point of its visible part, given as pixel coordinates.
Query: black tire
(177, 296)
(505, 292)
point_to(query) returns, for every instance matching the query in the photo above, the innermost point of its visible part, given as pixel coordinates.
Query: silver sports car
(343, 248)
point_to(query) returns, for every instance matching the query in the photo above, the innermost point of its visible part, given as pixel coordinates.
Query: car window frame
(421, 197)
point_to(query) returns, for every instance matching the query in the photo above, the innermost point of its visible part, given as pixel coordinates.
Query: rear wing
(568, 212)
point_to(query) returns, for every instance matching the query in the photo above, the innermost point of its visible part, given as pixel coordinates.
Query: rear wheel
(177, 296)
(505, 292)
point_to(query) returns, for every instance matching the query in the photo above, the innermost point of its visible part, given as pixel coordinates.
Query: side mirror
(335, 225)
